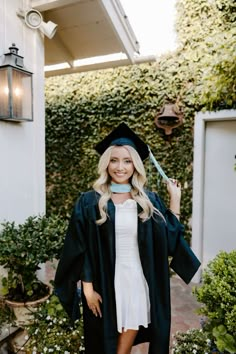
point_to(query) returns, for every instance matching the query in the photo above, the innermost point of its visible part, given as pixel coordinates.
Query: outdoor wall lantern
(169, 117)
(16, 93)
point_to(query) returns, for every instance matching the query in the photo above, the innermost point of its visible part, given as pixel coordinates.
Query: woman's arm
(174, 190)
(92, 297)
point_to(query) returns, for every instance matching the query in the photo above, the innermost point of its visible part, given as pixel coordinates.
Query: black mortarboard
(123, 135)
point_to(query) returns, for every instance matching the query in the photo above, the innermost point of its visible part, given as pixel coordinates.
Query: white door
(219, 191)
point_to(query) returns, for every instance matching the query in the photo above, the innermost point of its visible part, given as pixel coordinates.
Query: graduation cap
(123, 135)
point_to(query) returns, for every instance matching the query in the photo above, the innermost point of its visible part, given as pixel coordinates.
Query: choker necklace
(120, 188)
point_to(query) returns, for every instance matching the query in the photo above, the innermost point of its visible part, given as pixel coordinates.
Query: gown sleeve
(86, 273)
(71, 265)
(184, 262)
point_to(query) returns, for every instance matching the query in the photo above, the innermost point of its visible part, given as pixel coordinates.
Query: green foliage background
(82, 108)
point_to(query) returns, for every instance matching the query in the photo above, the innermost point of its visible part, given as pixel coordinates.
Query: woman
(118, 244)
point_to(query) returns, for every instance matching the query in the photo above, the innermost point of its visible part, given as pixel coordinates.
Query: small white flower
(48, 317)
(26, 337)
(45, 349)
(194, 351)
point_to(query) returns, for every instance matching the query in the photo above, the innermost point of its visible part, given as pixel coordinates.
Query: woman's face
(121, 166)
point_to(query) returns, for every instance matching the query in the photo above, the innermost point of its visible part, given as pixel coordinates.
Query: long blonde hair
(138, 181)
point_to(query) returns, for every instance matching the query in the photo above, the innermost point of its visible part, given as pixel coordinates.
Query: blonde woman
(118, 244)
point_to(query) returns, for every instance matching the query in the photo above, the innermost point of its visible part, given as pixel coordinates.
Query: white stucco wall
(214, 185)
(22, 145)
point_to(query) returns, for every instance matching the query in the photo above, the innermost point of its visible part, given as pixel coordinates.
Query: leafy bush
(23, 248)
(194, 341)
(218, 296)
(224, 340)
(51, 331)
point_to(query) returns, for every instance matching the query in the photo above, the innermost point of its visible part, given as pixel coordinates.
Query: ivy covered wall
(82, 108)
(206, 32)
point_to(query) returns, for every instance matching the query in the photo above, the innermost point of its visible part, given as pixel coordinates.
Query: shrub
(218, 296)
(23, 248)
(51, 331)
(194, 341)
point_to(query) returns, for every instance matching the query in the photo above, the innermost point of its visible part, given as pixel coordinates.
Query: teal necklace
(120, 188)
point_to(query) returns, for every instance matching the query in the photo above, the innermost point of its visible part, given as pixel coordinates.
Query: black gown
(89, 255)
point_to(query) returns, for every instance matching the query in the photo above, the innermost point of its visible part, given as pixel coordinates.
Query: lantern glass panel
(4, 94)
(21, 95)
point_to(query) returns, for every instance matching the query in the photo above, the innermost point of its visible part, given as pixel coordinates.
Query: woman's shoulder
(88, 198)
(151, 195)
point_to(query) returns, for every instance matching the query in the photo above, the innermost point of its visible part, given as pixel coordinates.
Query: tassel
(157, 165)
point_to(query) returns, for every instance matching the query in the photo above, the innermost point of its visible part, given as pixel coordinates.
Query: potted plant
(5, 316)
(23, 248)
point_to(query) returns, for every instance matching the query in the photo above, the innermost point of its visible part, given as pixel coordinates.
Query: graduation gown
(89, 254)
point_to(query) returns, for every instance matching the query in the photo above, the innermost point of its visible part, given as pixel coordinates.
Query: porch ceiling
(86, 28)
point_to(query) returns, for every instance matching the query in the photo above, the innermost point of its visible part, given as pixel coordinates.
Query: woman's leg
(125, 341)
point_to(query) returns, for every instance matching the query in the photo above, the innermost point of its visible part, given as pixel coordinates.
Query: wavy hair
(138, 180)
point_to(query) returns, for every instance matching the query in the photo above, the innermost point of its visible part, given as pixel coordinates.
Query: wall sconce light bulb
(17, 91)
(6, 90)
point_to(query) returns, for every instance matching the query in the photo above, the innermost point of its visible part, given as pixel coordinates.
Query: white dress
(131, 288)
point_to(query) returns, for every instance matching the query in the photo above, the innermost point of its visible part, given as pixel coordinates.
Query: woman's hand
(174, 190)
(93, 299)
